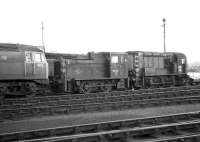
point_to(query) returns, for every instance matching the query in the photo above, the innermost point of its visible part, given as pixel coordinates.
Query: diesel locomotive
(26, 69)
(154, 69)
(104, 71)
(23, 69)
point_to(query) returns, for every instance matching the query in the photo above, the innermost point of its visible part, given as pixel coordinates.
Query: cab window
(28, 57)
(38, 57)
(114, 59)
(182, 61)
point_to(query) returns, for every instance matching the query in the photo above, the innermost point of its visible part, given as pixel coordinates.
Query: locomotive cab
(182, 64)
(35, 65)
(24, 69)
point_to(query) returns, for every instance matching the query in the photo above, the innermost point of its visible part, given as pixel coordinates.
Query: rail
(113, 130)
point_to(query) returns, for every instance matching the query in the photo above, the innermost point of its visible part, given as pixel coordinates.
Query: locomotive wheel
(30, 89)
(107, 88)
(85, 87)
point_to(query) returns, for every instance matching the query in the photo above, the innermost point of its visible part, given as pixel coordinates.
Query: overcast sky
(79, 26)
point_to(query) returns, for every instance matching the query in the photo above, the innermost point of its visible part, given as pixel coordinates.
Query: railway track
(119, 96)
(167, 128)
(64, 96)
(100, 104)
(77, 103)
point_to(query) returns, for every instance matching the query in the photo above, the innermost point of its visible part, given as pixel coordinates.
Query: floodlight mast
(42, 28)
(164, 20)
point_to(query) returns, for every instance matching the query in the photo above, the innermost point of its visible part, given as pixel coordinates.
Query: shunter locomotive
(154, 69)
(23, 69)
(102, 71)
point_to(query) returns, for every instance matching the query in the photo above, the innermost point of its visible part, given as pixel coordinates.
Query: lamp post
(164, 20)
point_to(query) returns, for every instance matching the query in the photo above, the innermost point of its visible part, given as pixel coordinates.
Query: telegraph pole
(42, 28)
(164, 20)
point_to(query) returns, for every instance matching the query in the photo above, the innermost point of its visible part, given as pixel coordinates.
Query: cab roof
(19, 47)
(150, 52)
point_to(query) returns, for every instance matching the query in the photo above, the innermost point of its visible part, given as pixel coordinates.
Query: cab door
(40, 67)
(118, 66)
(29, 65)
